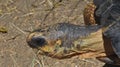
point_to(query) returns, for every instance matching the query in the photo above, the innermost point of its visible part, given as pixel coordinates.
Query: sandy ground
(18, 16)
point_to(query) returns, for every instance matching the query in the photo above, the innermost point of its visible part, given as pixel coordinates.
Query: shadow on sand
(110, 65)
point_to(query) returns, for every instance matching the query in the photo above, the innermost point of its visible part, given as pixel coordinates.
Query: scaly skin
(66, 40)
(88, 14)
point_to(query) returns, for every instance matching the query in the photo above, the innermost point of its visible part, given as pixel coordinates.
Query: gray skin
(71, 32)
(108, 15)
(66, 32)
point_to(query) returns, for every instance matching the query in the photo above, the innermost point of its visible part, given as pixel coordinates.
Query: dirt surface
(19, 16)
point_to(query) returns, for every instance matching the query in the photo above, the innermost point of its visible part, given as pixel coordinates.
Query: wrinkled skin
(63, 39)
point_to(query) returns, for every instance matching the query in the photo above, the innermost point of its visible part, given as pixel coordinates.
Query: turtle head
(43, 42)
(47, 43)
(60, 42)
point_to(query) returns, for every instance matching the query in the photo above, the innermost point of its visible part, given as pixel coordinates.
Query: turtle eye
(37, 42)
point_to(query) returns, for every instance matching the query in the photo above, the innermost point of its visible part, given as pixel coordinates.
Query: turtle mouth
(58, 52)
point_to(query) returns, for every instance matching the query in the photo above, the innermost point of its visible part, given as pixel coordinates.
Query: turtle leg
(88, 14)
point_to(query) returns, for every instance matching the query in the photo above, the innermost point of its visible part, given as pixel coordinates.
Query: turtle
(108, 9)
(107, 14)
(64, 40)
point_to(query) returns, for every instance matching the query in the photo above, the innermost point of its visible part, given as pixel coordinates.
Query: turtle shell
(107, 14)
(98, 2)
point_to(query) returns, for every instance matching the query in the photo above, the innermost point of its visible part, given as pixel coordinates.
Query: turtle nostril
(37, 42)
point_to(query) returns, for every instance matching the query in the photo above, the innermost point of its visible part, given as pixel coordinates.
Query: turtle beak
(36, 41)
